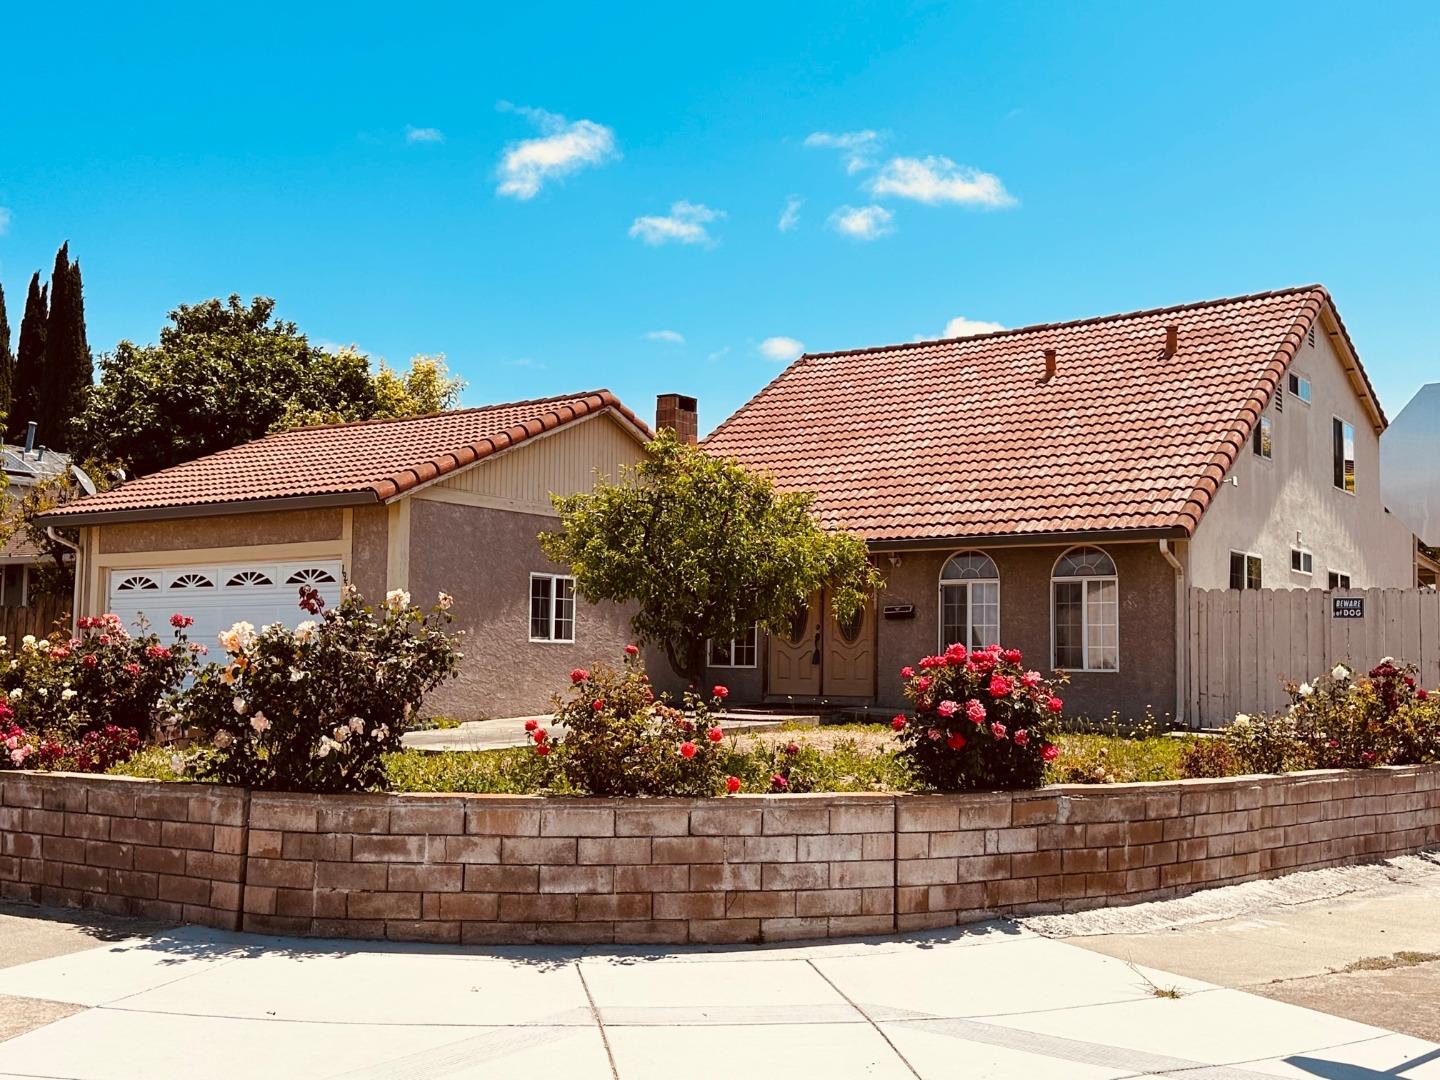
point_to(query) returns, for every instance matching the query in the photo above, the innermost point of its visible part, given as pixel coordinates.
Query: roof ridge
(1089, 320)
(468, 410)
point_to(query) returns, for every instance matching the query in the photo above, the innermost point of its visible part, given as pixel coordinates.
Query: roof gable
(370, 461)
(965, 437)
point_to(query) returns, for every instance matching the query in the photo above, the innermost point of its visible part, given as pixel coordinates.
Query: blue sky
(551, 196)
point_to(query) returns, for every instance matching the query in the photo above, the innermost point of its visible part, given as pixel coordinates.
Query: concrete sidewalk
(992, 1001)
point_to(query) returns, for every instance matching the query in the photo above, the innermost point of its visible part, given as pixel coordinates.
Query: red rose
(898, 723)
(1055, 704)
(720, 692)
(632, 650)
(542, 749)
(955, 654)
(947, 708)
(1422, 694)
(778, 781)
(531, 725)
(922, 684)
(180, 622)
(715, 734)
(997, 729)
(907, 672)
(1000, 686)
(1022, 737)
(132, 669)
(579, 675)
(687, 750)
(539, 735)
(598, 704)
(956, 741)
(89, 660)
(1012, 656)
(792, 748)
(732, 784)
(1049, 752)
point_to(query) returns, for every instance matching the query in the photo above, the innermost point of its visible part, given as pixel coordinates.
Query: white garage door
(216, 597)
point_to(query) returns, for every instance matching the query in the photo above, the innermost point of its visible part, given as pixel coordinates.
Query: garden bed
(484, 868)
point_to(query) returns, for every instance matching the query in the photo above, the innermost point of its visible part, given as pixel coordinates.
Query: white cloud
(685, 224)
(790, 216)
(718, 354)
(781, 348)
(423, 135)
(863, 222)
(563, 148)
(939, 180)
(4, 220)
(960, 326)
(857, 147)
(672, 336)
(528, 362)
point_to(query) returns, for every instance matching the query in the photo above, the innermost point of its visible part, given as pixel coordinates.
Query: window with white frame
(1263, 441)
(1337, 580)
(1085, 611)
(1246, 570)
(1344, 455)
(737, 652)
(1301, 561)
(552, 607)
(1300, 387)
(969, 601)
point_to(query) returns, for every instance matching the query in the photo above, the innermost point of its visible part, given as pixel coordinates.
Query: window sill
(551, 641)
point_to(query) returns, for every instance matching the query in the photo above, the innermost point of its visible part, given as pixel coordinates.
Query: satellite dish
(83, 479)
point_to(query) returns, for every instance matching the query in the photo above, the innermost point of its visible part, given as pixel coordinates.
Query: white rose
(67, 694)
(305, 631)
(240, 705)
(445, 601)
(15, 694)
(1306, 689)
(1241, 718)
(357, 725)
(260, 722)
(1340, 671)
(396, 599)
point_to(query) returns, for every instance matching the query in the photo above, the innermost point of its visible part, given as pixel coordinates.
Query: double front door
(820, 657)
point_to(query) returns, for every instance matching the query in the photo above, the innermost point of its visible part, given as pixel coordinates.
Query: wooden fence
(1245, 644)
(40, 618)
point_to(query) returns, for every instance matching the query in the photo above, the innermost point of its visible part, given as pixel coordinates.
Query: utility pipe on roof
(1182, 638)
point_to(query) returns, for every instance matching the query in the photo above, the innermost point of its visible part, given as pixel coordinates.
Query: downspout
(1182, 652)
(75, 589)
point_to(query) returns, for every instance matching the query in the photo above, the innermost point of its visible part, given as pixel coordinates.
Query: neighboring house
(1408, 455)
(451, 502)
(25, 466)
(1059, 488)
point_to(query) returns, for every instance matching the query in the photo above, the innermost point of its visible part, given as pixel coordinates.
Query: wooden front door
(848, 655)
(794, 668)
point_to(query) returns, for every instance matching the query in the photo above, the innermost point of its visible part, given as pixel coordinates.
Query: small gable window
(1300, 387)
(1263, 441)
(1344, 439)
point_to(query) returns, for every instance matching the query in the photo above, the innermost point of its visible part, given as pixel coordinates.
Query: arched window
(1085, 611)
(969, 601)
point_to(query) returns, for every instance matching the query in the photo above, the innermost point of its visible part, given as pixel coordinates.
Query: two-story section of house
(1060, 488)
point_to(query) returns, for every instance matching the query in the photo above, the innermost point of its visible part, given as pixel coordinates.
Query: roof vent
(1172, 340)
(1049, 365)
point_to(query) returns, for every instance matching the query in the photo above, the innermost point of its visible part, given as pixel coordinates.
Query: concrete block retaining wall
(491, 869)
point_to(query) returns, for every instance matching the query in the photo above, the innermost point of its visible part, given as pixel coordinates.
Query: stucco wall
(1147, 624)
(483, 557)
(223, 531)
(1294, 493)
(369, 545)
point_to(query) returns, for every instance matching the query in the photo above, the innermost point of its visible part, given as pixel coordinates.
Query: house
(1408, 453)
(1060, 487)
(450, 502)
(25, 466)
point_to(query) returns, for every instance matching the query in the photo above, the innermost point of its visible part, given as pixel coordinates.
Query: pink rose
(947, 708)
(997, 729)
(975, 711)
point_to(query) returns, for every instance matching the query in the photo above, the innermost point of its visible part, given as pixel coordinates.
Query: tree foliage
(225, 373)
(7, 359)
(29, 360)
(705, 548)
(63, 382)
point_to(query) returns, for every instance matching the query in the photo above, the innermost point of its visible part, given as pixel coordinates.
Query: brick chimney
(680, 414)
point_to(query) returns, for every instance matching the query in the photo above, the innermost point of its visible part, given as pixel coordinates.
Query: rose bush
(980, 722)
(620, 739)
(62, 688)
(317, 708)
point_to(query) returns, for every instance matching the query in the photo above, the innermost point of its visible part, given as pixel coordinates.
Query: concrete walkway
(994, 1001)
(510, 731)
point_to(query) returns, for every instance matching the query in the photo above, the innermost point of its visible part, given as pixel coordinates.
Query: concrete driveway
(994, 1001)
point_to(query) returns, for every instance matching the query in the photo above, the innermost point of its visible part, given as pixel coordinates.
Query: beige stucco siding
(1291, 500)
(565, 461)
(483, 557)
(366, 568)
(226, 530)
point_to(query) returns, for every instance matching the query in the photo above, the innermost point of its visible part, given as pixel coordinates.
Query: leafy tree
(7, 359)
(68, 371)
(224, 373)
(29, 360)
(427, 387)
(705, 549)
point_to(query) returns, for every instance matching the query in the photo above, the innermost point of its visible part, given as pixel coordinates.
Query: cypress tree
(68, 369)
(29, 360)
(7, 358)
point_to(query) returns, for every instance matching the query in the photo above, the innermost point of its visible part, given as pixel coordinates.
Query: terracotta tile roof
(965, 438)
(372, 460)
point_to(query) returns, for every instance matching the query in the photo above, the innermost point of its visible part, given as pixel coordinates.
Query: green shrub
(1265, 744)
(1207, 759)
(318, 708)
(620, 739)
(980, 720)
